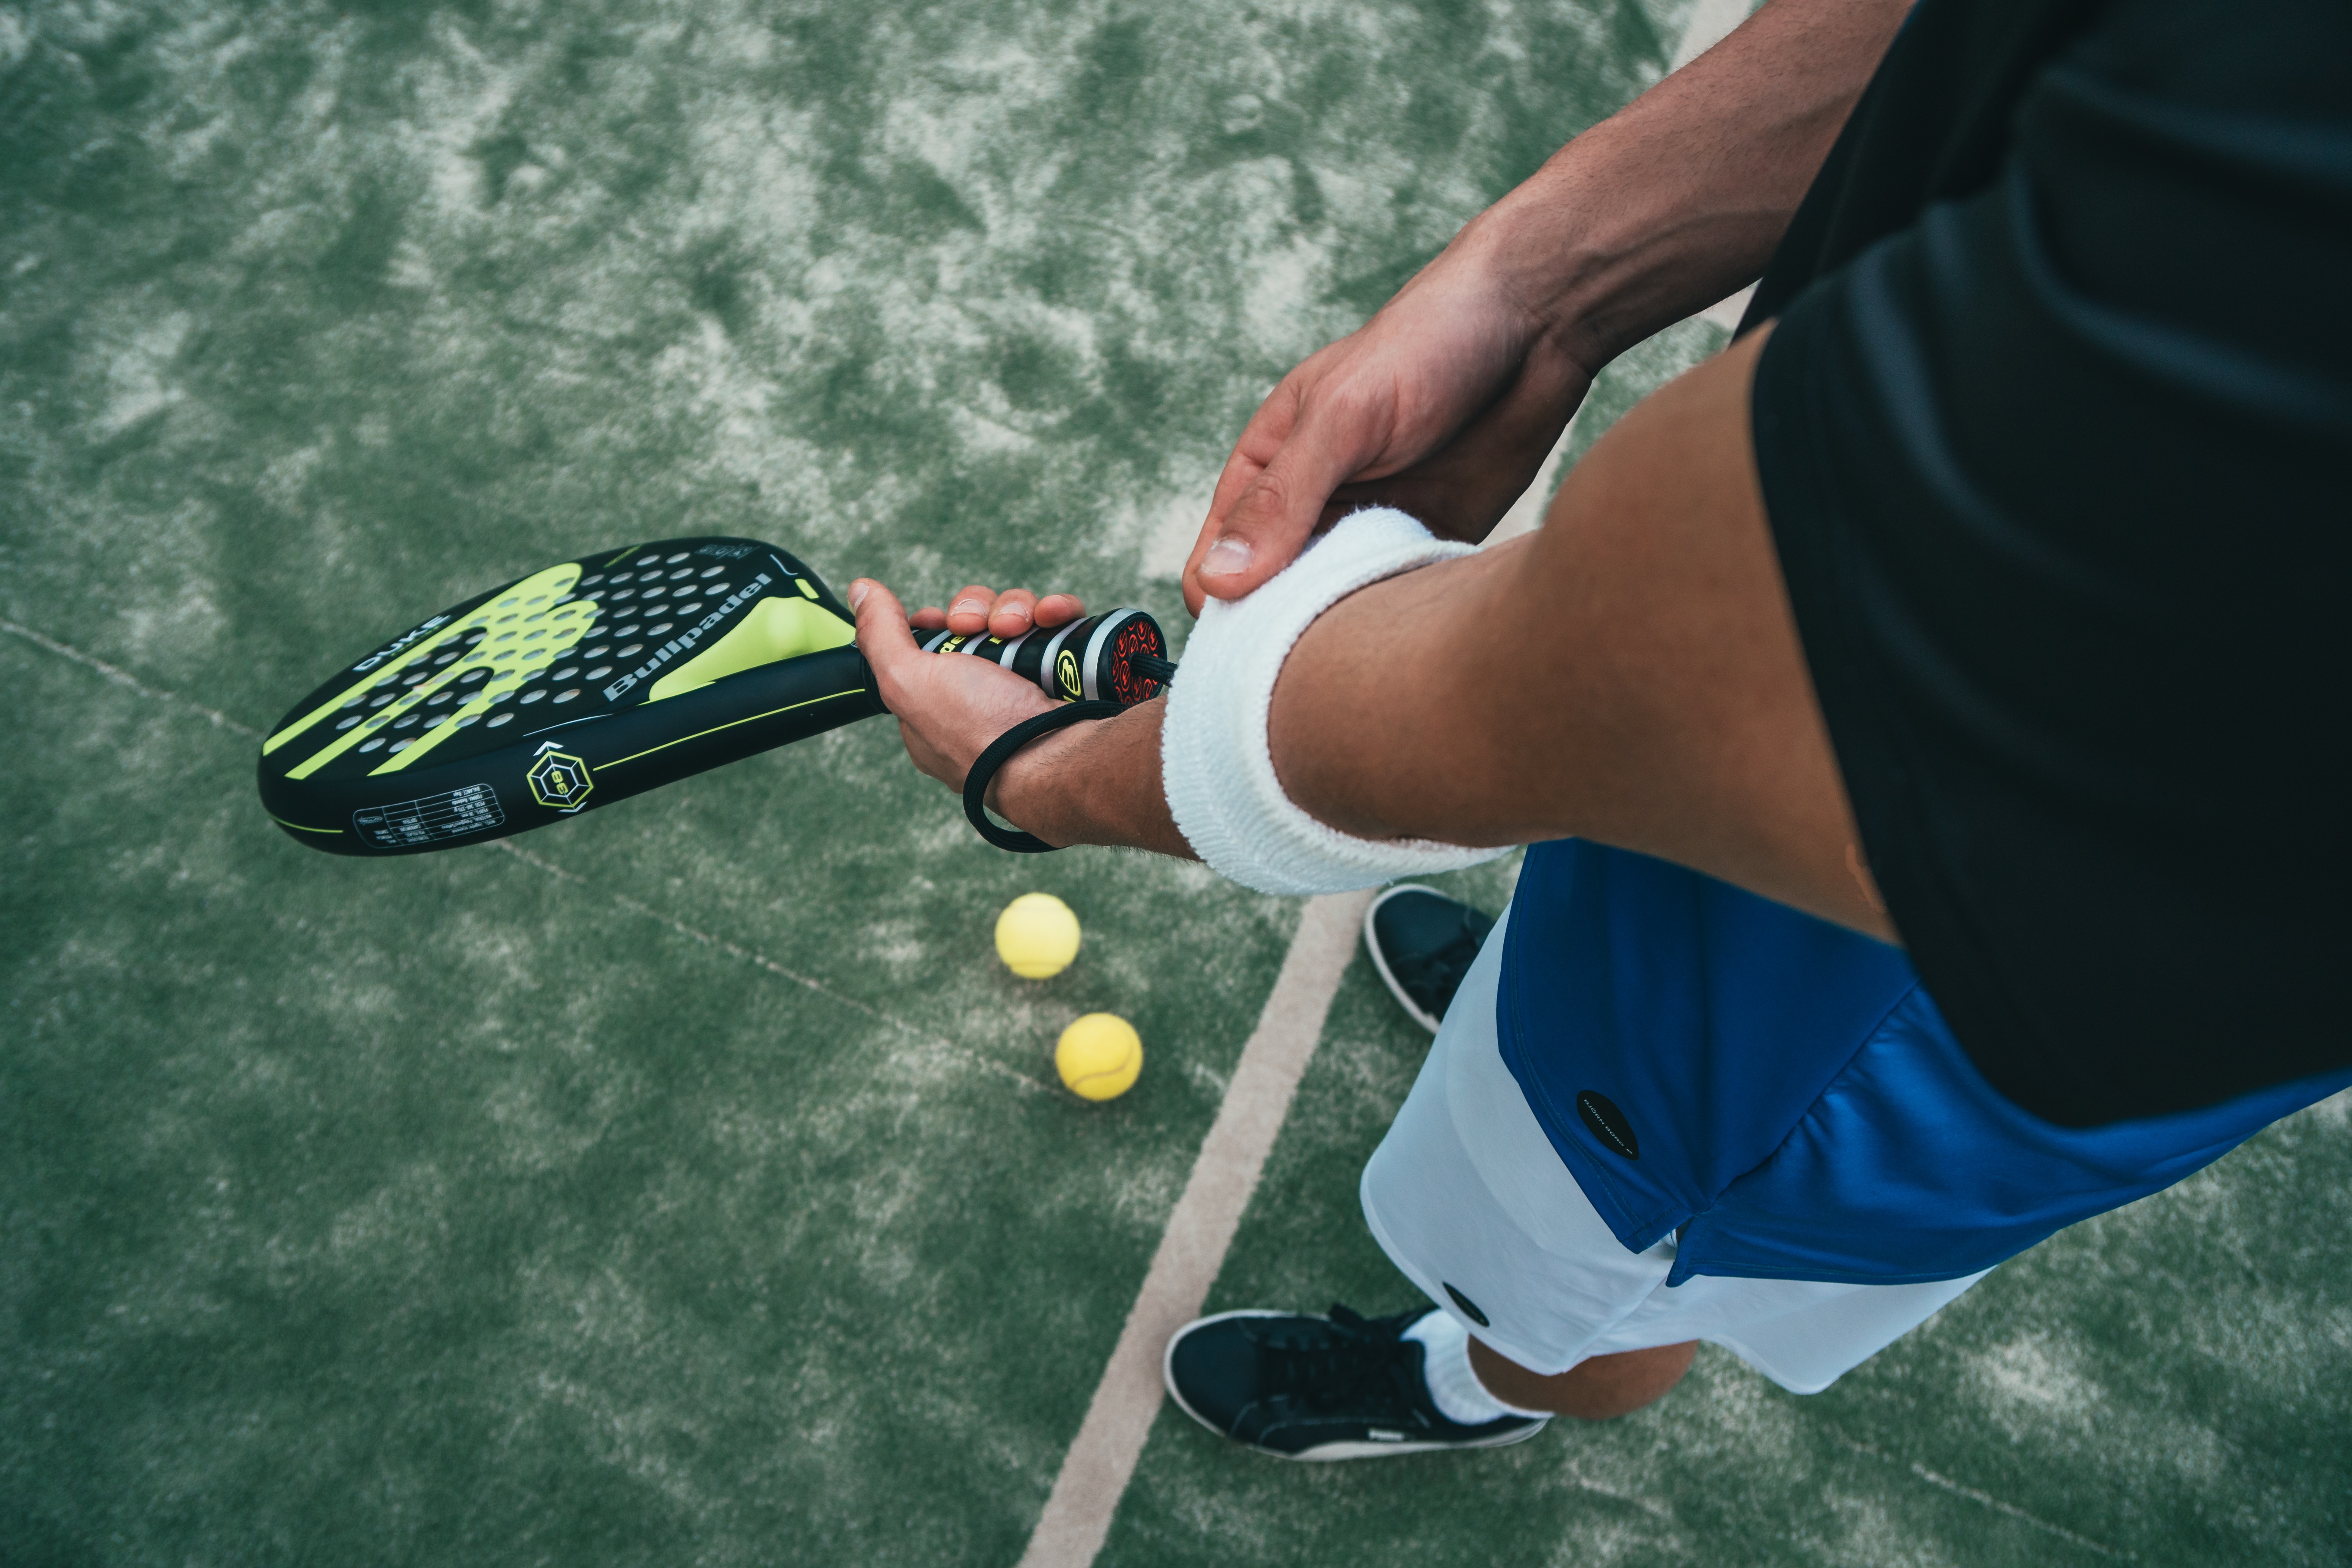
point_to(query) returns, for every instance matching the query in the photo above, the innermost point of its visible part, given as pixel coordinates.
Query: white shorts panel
(1468, 1191)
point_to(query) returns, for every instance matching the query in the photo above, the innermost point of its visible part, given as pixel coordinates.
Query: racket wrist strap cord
(1000, 751)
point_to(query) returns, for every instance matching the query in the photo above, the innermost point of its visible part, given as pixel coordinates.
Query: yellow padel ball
(1036, 936)
(1098, 1057)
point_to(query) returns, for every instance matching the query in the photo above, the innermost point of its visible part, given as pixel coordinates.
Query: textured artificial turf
(687, 1183)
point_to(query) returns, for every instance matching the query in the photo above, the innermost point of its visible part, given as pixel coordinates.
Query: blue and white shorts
(1468, 1197)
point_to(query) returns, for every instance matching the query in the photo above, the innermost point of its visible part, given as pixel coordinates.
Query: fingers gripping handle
(1095, 667)
(1119, 657)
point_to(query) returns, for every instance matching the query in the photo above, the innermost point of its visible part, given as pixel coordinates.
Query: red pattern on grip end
(1140, 636)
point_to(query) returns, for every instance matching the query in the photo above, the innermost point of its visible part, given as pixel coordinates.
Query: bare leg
(1592, 1390)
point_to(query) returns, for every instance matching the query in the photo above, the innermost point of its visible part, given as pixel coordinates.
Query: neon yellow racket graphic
(605, 676)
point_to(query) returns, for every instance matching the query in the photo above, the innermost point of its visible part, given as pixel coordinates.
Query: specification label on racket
(430, 820)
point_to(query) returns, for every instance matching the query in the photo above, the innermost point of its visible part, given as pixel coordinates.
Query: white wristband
(1215, 765)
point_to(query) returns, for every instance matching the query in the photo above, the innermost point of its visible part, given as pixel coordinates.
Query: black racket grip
(1119, 657)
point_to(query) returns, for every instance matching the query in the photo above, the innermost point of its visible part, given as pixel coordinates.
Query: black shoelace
(1339, 1365)
(1436, 977)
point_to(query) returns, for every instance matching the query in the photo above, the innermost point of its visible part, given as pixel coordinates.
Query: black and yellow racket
(608, 676)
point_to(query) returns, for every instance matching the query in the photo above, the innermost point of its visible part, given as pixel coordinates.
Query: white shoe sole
(1371, 946)
(1327, 1451)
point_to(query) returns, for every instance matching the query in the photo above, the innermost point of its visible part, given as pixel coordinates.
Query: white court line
(1118, 1418)
(125, 679)
(1711, 22)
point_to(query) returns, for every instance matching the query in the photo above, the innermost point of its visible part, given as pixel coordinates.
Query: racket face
(578, 685)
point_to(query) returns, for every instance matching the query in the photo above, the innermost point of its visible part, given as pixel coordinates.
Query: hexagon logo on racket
(559, 780)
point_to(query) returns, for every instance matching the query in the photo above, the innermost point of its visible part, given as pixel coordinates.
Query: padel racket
(608, 676)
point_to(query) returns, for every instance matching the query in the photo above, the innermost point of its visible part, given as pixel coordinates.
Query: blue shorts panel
(1785, 1092)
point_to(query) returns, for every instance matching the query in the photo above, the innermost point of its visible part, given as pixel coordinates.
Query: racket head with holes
(576, 685)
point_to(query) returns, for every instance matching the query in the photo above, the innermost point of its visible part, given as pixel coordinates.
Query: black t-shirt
(2055, 435)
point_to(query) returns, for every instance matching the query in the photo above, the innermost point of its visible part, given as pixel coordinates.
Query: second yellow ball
(1098, 1057)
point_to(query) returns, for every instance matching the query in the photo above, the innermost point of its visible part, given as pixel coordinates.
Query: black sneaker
(1423, 942)
(1341, 1387)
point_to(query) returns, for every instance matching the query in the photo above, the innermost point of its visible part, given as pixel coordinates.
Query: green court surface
(687, 1183)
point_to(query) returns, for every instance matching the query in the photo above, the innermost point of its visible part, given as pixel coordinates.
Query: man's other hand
(1444, 406)
(1446, 402)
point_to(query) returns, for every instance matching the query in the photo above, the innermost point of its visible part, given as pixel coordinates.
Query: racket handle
(1119, 657)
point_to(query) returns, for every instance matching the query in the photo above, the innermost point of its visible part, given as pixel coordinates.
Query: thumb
(1274, 514)
(883, 634)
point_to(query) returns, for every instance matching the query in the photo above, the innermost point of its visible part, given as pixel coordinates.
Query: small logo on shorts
(1605, 1121)
(1469, 1307)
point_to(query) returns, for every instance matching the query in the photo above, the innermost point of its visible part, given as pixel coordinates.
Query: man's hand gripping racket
(619, 672)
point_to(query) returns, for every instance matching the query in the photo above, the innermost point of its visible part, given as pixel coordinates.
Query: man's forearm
(1678, 199)
(1094, 783)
